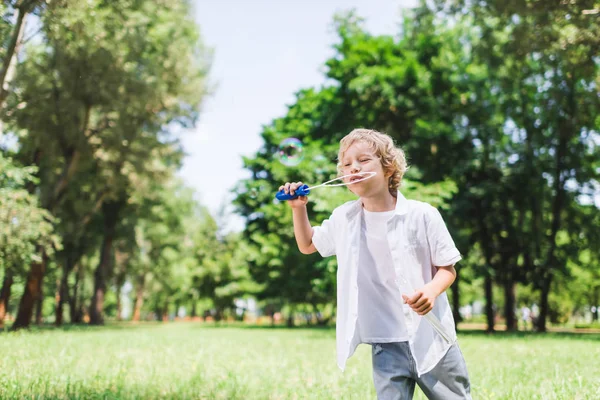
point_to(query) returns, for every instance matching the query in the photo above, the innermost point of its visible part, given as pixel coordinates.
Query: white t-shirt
(419, 242)
(380, 318)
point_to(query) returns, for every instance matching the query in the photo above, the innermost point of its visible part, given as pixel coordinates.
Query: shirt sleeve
(442, 247)
(324, 238)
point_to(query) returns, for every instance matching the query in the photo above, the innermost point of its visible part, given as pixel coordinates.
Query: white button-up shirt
(419, 242)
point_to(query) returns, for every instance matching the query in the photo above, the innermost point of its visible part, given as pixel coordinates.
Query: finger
(425, 308)
(421, 302)
(295, 186)
(414, 298)
(405, 298)
(287, 187)
(424, 311)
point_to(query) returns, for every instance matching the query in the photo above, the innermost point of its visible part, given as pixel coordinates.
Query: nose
(355, 167)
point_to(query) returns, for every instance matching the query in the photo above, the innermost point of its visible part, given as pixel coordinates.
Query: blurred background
(142, 143)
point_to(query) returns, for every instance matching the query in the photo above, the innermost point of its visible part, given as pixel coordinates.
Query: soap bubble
(290, 152)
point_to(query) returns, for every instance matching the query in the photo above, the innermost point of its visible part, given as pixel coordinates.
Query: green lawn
(196, 361)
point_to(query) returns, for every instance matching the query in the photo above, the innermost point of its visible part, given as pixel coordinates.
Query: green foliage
(162, 248)
(95, 106)
(25, 226)
(221, 272)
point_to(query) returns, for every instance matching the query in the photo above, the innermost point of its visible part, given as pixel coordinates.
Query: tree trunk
(119, 304)
(272, 315)
(290, 318)
(73, 158)
(165, 311)
(111, 212)
(456, 300)
(566, 131)
(509, 305)
(31, 293)
(194, 312)
(541, 319)
(177, 306)
(5, 294)
(121, 259)
(63, 289)
(9, 62)
(139, 298)
(57, 302)
(62, 298)
(119, 282)
(595, 304)
(218, 314)
(74, 300)
(487, 252)
(100, 275)
(489, 303)
(39, 306)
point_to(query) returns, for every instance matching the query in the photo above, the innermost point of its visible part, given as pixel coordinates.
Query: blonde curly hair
(392, 158)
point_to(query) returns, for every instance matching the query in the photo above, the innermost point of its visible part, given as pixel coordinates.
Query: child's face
(359, 157)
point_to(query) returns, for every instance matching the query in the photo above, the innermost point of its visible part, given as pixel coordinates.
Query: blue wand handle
(301, 191)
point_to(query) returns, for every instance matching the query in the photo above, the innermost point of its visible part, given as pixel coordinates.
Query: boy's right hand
(290, 188)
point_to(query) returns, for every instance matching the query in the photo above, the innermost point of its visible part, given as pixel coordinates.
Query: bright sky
(278, 48)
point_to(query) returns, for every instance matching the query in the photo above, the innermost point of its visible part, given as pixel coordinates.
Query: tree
(24, 226)
(114, 101)
(548, 96)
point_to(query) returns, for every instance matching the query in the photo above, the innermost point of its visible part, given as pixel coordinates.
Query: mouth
(357, 177)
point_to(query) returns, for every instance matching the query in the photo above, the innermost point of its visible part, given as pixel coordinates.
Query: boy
(387, 245)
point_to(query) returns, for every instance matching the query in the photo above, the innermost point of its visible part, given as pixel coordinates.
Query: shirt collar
(401, 207)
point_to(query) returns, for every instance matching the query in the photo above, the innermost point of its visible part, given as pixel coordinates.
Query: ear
(387, 172)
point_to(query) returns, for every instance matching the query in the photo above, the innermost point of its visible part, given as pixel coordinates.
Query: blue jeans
(395, 374)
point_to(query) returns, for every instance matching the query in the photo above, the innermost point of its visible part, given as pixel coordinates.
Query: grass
(196, 361)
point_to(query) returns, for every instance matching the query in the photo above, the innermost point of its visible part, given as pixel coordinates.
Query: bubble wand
(304, 190)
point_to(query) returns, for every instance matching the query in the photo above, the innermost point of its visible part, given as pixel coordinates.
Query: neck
(379, 202)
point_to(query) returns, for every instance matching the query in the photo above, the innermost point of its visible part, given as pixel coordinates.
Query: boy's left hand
(422, 300)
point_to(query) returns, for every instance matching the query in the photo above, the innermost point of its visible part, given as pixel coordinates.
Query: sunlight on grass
(191, 361)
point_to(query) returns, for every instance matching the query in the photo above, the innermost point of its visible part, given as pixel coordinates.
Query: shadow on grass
(306, 331)
(109, 326)
(461, 332)
(320, 329)
(243, 325)
(528, 335)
